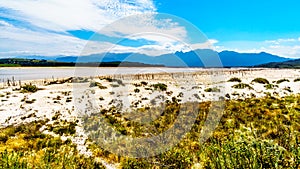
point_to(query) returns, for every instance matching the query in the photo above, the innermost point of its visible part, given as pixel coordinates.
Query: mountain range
(197, 58)
(295, 64)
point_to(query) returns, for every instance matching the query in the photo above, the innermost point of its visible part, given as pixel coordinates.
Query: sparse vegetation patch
(261, 81)
(242, 86)
(282, 80)
(297, 80)
(160, 86)
(29, 88)
(270, 86)
(235, 79)
(214, 90)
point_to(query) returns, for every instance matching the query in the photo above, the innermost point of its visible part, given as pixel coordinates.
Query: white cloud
(42, 27)
(19, 41)
(213, 41)
(279, 41)
(289, 47)
(6, 24)
(146, 26)
(62, 15)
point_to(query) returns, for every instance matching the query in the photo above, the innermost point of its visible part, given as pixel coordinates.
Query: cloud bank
(41, 27)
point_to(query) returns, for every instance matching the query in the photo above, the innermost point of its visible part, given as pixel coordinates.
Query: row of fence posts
(11, 82)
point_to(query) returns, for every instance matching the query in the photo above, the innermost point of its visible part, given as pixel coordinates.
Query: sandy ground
(75, 99)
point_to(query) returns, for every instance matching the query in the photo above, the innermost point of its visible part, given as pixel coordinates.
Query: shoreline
(114, 71)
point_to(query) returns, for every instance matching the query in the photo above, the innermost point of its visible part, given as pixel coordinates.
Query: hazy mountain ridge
(197, 58)
(190, 59)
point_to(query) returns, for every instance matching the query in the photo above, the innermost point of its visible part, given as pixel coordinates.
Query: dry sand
(72, 99)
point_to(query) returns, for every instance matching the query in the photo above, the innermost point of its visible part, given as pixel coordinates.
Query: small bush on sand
(136, 90)
(242, 86)
(282, 80)
(214, 90)
(30, 101)
(160, 86)
(297, 80)
(261, 81)
(235, 79)
(144, 83)
(270, 86)
(29, 88)
(94, 84)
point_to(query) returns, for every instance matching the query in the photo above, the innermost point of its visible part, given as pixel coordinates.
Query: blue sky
(55, 27)
(239, 19)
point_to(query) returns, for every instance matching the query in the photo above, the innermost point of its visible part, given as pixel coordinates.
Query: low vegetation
(270, 86)
(214, 90)
(261, 81)
(24, 146)
(242, 86)
(29, 88)
(253, 133)
(10, 65)
(110, 79)
(235, 79)
(160, 86)
(94, 84)
(282, 80)
(30, 101)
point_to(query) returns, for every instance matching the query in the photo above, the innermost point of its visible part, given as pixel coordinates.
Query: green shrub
(30, 101)
(235, 79)
(297, 80)
(261, 81)
(115, 85)
(29, 88)
(160, 86)
(107, 79)
(69, 129)
(102, 87)
(282, 80)
(288, 89)
(214, 90)
(94, 84)
(270, 86)
(3, 138)
(144, 83)
(242, 86)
